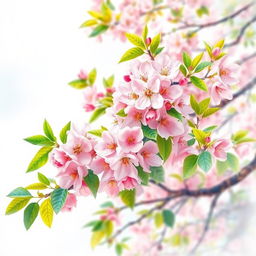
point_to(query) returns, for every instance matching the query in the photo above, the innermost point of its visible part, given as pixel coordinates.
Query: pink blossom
(148, 94)
(220, 148)
(90, 97)
(70, 203)
(72, 175)
(99, 165)
(78, 147)
(109, 184)
(59, 158)
(128, 183)
(134, 117)
(228, 71)
(148, 156)
(130, 139)
(123, 166)
(220, 91)
(106, 147)
(171, 92)
(83, 75)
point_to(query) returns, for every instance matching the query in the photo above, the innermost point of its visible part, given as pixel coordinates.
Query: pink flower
(70, 203)
(148, 94)
(165, 67)
(99, 165)
(59, 158)
(151, 115)
(109, 184)
(134, 117)
(123, 166)
(148, 156)
(228, 71)
(166, 125)
(220, 148)
(90, 97)
(82, 75)
(220, 91)
(128, 183)
(78, 147)
(130, 139)
(171, 92)
(72, 175)
(107, 146)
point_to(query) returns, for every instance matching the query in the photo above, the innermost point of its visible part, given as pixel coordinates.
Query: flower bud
(148, 41)
(82, 75)
(168, 105)
(216, 52)
(183, 81)
(208, 139)
(127, 78)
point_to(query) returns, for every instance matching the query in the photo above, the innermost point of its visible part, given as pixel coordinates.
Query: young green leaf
(19, 192)
(183, 70)
(155, 43)
(96, 238)
(194, 104)
(63, 132)
(202, 66)
(205, 161)
(200, 135)
(144, 176)
(197, 59)
(46, 212)
(99, 30)
(16, 204)
(92, 76)
(97, 113)
(173, 112)
(203, 105)
(92, 181)
(43, 179)
(30, 214)
(40, 159)
(157, 173)
(135, 40)
(164, 147)
(128, 197)
(58, 199)
(145, 33)
(186, 60)
(158, 219)
(210, 111)
(131, 54)
(48, 131)
(36, 186)
(149, 133)
(89, 23)
(39, 140)
(233, 162)
(189, 166)
(169, 218)
(78, 84)
(121, 113)
(199, 83)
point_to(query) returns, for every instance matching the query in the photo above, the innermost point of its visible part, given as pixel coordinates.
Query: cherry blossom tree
(179, 130)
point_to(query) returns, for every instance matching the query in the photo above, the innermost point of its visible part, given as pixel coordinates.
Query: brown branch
(207, 224)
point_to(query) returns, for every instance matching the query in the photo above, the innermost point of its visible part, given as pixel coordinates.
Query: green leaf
(78, 84)
(19, 192)
(199, 83)
(99, 30)
(96, 238)
(63, 132)
(205, 161)
(43, 179)
(155, 43)
(220, 44)
(107, 205)
(222, 167)
(92, 76)
(48, 131)
(158, 50)
(194, 104)
(108, 228)
(58, 199)
(169, 218)
(145, 33)
(135, 40)
(36, 186)
(183, 70)
(189, 166)
(157, 173)
(203, 105)
(239, 135)
(191, 142)
(233, 162)
(128, 197)
(16, 204)
(108, 83)
(89, 23)
(208, 49)
(30, 214)
(173, 112)
(121, 113)
(200, 135)
(158, 219)
(97, 113)
(210, 111)
(39, 140)
(202, 66)
(186, 60)
(40, 159)
(197, 59)
(144, 176)
(149, 133)
(131, 54)
(46, 212)
(119, 249)
(164, 147)
(92, 181)
(210, 128)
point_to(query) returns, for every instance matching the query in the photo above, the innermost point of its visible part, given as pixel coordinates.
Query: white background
(41, 49)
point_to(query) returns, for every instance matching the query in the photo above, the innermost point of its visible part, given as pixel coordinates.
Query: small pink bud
(168, 105)
(151, 115)
(183, 81)
(82, 75)
(100, 95)
(208, 139)
(127, 78)
(216, 52)
(89, 107)
(148, 41)
(110, 90)
(103, 217)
